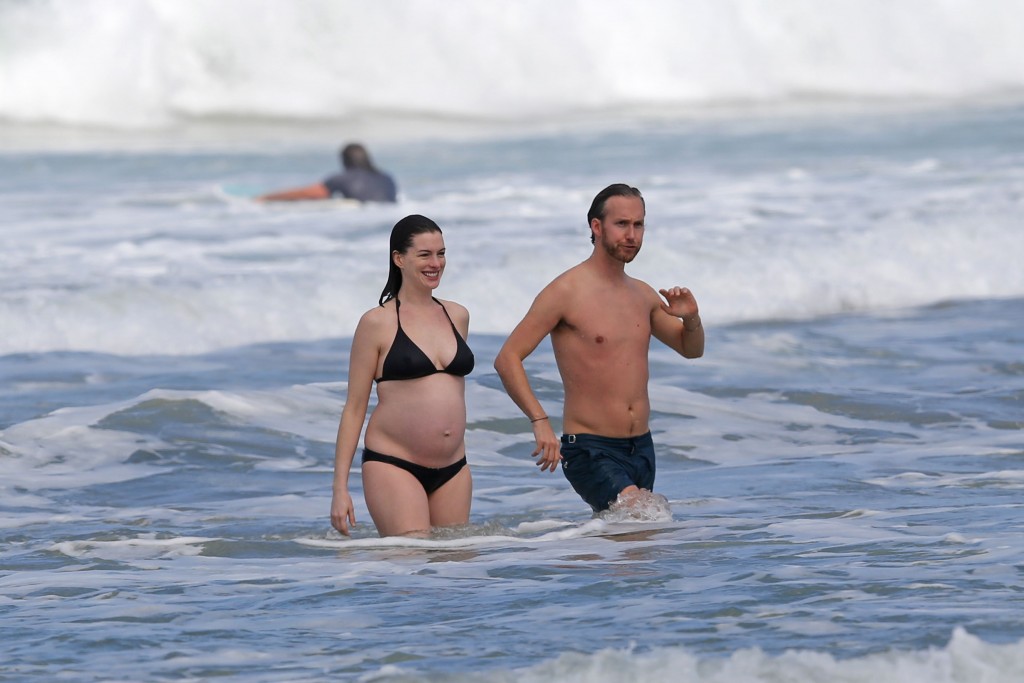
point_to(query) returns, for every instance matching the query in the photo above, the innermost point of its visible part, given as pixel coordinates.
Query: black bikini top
(405, 360)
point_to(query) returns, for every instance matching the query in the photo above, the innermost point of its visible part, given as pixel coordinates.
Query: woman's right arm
(362, 366)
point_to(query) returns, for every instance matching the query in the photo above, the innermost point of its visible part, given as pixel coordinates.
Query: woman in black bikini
(413, 346)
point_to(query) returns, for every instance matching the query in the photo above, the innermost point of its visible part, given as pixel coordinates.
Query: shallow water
(844, 486)
(843, 468)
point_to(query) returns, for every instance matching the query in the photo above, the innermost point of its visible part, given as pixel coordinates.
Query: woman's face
(423, 262)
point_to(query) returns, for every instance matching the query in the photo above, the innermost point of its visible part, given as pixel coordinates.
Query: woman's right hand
(343, 513)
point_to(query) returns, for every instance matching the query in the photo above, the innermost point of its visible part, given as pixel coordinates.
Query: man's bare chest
(608, 322)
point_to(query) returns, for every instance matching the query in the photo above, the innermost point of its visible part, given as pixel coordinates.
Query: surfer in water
(359, 180)
(415, 475)
(601, 322)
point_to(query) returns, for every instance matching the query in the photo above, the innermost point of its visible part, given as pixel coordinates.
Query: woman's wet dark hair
(401, 240)
(614, 190)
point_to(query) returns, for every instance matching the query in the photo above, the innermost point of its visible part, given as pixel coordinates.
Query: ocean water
(844, 467)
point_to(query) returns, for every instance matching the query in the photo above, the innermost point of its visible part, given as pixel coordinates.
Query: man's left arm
(676, 322)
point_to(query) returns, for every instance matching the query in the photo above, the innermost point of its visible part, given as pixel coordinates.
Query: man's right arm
(539, 321)
(316, 191)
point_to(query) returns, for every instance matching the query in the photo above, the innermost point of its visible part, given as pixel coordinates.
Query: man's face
(621, 231)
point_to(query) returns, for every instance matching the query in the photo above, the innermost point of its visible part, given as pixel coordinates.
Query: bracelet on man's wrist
(538, 419)
(695, 327)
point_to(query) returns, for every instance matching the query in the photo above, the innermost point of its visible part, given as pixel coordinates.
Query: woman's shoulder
(454, 308)
(377, 317)
(450, 305)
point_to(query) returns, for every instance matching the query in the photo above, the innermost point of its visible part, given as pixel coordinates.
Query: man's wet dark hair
(355, 156)
(401, 240)
(613, 190)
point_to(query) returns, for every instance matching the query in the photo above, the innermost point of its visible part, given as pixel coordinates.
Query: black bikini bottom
(431, 478)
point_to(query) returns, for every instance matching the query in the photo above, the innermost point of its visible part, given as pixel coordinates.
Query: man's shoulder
(586, 270)
(566, 282)
(336, 180)
(580, 271)
(641, 285)
(647, 293)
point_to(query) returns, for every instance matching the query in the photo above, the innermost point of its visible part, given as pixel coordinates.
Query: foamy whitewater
(841, 184)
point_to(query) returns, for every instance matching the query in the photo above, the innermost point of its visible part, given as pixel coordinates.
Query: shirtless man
(601, 322)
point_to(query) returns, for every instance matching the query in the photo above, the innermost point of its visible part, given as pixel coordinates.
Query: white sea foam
(965, 659)
(142, 547)
(152, 62)
(187, 279)
(117, 266)
(1004, 479)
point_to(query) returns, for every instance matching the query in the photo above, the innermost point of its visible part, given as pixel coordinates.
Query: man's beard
(613, 250)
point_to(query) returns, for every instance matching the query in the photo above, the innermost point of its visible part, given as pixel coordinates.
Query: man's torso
(601, 347)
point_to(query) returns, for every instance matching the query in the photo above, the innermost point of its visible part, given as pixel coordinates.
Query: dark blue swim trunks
(599, 467)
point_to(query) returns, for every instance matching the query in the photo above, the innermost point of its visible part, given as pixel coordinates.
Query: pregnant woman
(415, 475)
